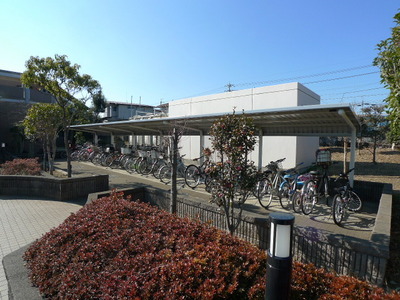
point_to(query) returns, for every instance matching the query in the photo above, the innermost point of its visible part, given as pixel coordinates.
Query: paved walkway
(22, 221)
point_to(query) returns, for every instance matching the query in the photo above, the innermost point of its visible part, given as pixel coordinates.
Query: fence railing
(366, 260)
(345, 256)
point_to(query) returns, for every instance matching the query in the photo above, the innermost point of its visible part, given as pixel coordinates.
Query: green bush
(20, 166)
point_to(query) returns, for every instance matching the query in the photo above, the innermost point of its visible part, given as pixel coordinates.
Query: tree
(233, 174)
(43, 121)
(70, 89)
(99, 104)
(374, 125)
(388, 60)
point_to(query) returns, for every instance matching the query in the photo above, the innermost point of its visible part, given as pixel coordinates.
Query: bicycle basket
(274, 166)
(154, 154)
(323, 157)
(142, 153)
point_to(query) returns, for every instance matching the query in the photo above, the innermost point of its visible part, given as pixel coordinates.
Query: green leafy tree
(388, 60)
(99, 104)
(70, 89)
(233, 174)
(43, 121)
(374, 125)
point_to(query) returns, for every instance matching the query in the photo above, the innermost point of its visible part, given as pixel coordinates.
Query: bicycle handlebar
(197, 158)
(294, 169)
(344, 175)
(278, 161)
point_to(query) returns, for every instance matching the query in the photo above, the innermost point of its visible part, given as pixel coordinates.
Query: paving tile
(23, 220)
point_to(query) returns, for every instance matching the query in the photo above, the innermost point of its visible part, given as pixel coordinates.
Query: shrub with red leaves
(118, 249)
(309, 282)
(21, 166)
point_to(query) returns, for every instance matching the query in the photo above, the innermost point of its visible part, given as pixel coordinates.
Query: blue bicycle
(289, 186)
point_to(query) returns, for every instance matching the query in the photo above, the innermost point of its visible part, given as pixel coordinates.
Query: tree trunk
(174, 190)
(67, 152)
(53, 154)
(49, 159)
(44, 157)
(374, 150)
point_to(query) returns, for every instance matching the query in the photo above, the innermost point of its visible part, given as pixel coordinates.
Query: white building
(117, 111)
(295, 149)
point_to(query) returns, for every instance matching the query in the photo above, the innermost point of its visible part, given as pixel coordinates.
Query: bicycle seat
(314, 173)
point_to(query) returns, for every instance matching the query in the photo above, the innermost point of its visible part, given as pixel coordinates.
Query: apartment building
(14, 103)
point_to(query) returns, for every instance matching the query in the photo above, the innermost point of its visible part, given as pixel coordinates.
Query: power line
(305, 76)
(339, 78)
(351, 97)
(352, 92)
(229, 85)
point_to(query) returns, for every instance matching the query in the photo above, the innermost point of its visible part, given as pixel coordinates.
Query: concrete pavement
(22, 221)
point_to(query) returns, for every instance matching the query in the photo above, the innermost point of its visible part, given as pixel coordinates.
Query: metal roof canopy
(307, 120)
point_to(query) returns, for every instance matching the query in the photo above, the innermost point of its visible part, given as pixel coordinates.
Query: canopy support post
(260, 149)
(352, 145)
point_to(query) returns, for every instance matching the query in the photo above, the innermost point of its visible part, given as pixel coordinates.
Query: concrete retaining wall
(62, 189)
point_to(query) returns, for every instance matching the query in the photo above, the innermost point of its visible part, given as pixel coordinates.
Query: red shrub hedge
(21, 166)
(113, 248)
(117, 249)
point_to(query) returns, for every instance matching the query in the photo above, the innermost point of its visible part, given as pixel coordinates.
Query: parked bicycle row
(294, 188)
(301, 192)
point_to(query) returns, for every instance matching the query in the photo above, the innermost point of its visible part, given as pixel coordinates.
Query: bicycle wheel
(144, 167)
(326, 189)
(284, 195)
(309, 197)
(338, 209)
(128, 164)
(157, 167)
(354, 203)
(211, 185)
(296, 201)
(165, 174)
(109, 161)
(264, 188)
(192, 176)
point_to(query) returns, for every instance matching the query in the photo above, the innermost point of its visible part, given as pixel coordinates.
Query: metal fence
(363, 259)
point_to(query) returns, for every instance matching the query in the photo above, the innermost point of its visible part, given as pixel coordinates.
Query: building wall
(15, 101)
(124, 111)
(294, 149)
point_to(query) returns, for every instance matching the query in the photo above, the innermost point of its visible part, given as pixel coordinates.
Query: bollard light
(279, 262)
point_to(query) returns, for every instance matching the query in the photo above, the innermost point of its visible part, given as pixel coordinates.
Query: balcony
(18, 93)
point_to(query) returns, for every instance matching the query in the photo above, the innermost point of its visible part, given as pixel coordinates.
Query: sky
(156, 51)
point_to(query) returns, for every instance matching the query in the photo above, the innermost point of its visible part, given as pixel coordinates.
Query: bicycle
(151, 163)
(194, 175)
(317, 187)
(265, 189)
(166, 171)
(289, 185)
(344, 199)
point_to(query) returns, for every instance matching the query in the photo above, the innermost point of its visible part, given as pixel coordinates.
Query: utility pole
(229, 87)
